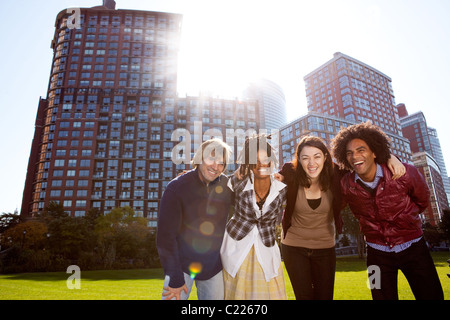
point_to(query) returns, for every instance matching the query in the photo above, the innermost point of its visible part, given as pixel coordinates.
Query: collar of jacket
(275, 186)
(387, 175)
(197, 178)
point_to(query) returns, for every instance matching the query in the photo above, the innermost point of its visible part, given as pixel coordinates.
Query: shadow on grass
(91, 275)
(350, 264)
(343, 264)
(440, 258)
(354, 264)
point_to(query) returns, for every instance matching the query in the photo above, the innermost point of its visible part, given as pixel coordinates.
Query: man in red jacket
(388, 212)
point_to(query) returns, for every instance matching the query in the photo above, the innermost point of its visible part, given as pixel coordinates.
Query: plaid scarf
(245, 218)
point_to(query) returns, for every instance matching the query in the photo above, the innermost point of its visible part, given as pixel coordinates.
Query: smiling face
(362, 159)
(312, 160)
(262, 169)
(211, 168)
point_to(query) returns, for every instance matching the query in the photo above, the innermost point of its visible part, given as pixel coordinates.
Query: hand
(174, 292)
(238, 175)
(397, 168)
(278, 176)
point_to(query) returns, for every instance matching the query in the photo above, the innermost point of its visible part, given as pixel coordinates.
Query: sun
(220, 52)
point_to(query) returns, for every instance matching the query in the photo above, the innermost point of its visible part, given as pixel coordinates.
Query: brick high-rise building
(109, 69)
(430, 170)
(103, 136)
(352, 90)
(423, 138)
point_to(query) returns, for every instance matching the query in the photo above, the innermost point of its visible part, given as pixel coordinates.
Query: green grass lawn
(351, 278)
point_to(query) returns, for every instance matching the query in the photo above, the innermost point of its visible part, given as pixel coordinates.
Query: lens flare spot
(207, 228)
(211, 210)
(194, 269)
(201, 245)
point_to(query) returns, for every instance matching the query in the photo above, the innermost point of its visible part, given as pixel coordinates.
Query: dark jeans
(417, 266)
(311, 271)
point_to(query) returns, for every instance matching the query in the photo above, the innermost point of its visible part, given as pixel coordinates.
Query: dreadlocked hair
(247, 158)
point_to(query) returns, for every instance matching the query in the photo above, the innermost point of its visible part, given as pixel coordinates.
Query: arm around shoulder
(287, 172)
(418, 188)
(169, 225)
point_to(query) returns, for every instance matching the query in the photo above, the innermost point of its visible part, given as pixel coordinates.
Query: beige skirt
(250, 283)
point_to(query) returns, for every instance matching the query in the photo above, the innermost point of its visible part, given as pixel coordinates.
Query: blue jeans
(211, 289)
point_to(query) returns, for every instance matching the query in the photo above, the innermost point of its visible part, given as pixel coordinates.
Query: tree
(351, 226)
(150, 253)
(68, 236)
(444, 225)
(54, 210)
(345, 241)
(28, 235)
(8, 220)
(431, 234)
(121, 235)
(55, 240)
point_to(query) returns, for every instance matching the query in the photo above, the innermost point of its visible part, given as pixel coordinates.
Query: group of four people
(220, 232)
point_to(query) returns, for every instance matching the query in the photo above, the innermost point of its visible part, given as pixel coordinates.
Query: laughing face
(262, 169)
(362, 159)
(312, 160)
(211, 168)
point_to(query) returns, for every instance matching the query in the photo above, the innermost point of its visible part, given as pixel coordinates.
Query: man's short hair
(376, 139)
(210, 146)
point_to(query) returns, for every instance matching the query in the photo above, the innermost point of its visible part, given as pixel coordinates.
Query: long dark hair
(247, 158)
(326, 175)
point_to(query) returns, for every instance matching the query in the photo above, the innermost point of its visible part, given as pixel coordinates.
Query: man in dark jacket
(388, 212)
(191, 224)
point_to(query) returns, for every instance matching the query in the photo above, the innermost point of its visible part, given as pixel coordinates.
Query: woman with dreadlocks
(250, 255)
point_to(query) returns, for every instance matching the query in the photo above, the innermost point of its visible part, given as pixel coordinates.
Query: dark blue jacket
(191, 225)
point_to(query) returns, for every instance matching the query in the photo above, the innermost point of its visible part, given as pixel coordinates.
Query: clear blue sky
(226, 43)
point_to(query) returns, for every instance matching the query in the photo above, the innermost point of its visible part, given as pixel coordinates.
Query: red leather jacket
(389, 216)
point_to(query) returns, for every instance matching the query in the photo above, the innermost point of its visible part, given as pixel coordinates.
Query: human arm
(278, 176)
(396, 167)
(286, 174)
(169, 225)
(418, 188)
(237, 174)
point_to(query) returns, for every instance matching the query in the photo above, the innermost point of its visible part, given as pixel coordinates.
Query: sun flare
(225, 50)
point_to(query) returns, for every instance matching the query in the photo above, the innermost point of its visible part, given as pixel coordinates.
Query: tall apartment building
(352, 90)
(272, 103)
(103, 136)
(430, 170)
(109, 69)
(342, 92)
(423, 139)
(439, 157)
